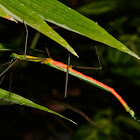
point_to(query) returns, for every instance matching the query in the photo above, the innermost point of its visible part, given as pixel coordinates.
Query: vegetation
(45, 85)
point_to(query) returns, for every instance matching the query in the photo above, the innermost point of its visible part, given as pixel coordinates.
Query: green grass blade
(14, 98)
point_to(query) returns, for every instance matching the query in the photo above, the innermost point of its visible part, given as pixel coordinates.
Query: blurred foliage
(97, 8)
(109, 128)
(41, 83)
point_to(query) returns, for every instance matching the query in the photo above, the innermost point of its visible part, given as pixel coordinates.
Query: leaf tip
(73, 122)
(76, 54)
(136, 56)
(70, 49)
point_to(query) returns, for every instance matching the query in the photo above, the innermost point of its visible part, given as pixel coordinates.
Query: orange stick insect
(63, 67)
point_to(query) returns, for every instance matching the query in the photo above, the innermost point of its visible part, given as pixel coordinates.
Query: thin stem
(78, 111)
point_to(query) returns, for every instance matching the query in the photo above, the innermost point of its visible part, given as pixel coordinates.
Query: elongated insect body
(63, 67)
(28, 58)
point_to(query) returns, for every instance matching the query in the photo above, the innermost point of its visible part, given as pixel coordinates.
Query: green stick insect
(63, 67)
(69, 70)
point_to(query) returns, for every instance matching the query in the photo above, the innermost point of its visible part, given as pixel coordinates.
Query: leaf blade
(15, 98)
(78, 23)
(22, 13)
(55, 12)
(3, 13)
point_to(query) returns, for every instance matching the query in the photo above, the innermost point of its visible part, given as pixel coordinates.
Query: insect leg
(67, 74)
(25, 49)
(13, 61)
(91, 68)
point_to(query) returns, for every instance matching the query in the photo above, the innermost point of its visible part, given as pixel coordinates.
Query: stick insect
(69, 70)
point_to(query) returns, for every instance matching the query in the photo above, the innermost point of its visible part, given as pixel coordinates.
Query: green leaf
(9, 47)
(14, 98)
(22, 11)
(4, 47)
(3, 13)
(3, 102)
(33, 12)
(106, 130)
(132, 123)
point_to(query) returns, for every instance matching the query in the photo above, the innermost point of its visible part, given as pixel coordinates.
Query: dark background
(43, 84)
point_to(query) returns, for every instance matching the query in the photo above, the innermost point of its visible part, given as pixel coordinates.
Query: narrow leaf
(12, 97)
(61, 15)
(22, 11)
(4, 47)
(55, 12)
(9, 47)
